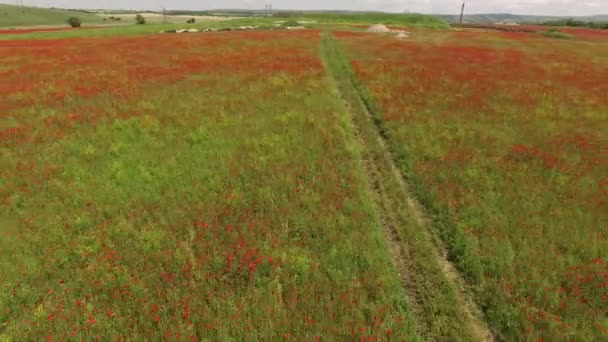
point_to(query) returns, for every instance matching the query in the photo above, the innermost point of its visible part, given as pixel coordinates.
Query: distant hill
(15, 16)
(528, 19)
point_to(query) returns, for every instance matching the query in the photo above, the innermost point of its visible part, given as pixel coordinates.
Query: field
(505, 137)
(168, 195)
(14, 16)
(303, 185)
(175, 19)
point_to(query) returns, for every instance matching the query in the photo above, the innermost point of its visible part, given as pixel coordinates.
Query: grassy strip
(556, 34)
(443, 222)
(412, 20)
(439, 313)
(135, 30)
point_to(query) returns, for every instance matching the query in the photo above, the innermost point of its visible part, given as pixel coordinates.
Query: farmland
(319, 184)
(11, 15)
(176, 200)
(504, 137)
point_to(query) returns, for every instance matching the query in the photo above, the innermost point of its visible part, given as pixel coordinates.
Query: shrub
(191, 21)
(284, 14)
(291, 23)
(139, 19)
(74, 22)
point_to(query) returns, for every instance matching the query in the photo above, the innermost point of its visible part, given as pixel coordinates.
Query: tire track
(398, 208)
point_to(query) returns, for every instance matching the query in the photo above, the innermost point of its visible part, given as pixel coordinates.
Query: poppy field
(504, 137)
(306, 185)
(192, 188)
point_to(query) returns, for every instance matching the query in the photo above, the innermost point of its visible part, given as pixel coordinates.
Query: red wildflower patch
(510, 139)
(55, 29)
(159, 187)
(586, 33)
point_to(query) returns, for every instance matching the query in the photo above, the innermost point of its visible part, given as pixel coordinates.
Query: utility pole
(164, 16)
(269, 12)
(462, 13)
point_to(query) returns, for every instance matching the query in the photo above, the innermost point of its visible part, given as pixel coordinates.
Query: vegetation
(182, 12)
(520, 19)
(197, 187)
(508, 152)
(14, 16)
(438, 310)
(74, 22)
(284, 14)
(291, 23)
(140, 19)
(191, 21)
(577, 23)
(125, 30)
(164, 198)
(554, 33)
(413, 20)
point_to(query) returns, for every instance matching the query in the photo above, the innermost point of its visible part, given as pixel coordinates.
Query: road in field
(418, 254)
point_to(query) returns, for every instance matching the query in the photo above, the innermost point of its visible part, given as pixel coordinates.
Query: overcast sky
(548, 7)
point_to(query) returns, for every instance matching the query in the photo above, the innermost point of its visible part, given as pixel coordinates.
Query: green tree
(139, 19)
(74, 22)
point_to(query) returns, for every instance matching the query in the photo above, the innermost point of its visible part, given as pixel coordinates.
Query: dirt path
(435, 290)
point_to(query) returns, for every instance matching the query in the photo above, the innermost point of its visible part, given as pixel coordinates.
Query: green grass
(506, 150)
(15, 16)
(137, 30)
(323, 21)
(556, 34)
(439, 314)
(412, 20)
(152, 189)
(196, 185)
